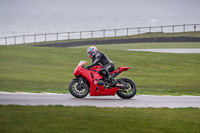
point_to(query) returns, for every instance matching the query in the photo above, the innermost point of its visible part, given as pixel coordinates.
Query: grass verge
(43, 69)
(85, 119)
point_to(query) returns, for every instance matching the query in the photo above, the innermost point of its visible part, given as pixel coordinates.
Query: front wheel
(127, 93)
(78, 90)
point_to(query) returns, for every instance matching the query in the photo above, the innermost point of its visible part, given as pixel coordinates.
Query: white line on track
(169, 50)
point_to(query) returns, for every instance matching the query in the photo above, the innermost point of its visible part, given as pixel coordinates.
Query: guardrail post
(184, 28)
(150, 29)
(80, 34)
(161, 29)
(104, 34)
(115, 32)
(127, 31)
(195, 28)
(173, 29)
(57, 36)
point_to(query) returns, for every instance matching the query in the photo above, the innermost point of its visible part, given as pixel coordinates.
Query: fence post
(173, 29)
(68, 36)
(35, 38)
(138, 30)
(161, 29)
(150, 30)
(45, 35)
(115, 32)
(195, 28)
(92, 34)
(80, 34)
(184, 28)
(6, 40)
(15, 40)
(24, 39)
(127, 31)
(104, 33)
(57, 36)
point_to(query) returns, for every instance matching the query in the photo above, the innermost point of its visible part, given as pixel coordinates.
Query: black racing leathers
(102, 59)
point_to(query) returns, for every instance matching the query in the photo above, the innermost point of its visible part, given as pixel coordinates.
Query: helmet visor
(89, 55)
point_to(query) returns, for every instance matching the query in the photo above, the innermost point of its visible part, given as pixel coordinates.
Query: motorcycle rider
(99, 58)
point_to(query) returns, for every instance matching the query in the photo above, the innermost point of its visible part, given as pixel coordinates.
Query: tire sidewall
(73, 93)
(134, 89)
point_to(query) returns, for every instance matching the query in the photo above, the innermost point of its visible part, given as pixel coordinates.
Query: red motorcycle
(91, 81)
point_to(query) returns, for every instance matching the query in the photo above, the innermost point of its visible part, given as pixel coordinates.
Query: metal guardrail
(34, 38)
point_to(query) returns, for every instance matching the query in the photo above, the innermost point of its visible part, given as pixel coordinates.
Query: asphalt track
(169, 50)
(139, 101)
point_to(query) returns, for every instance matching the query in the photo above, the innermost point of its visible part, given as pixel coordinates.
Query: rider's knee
(103, 72)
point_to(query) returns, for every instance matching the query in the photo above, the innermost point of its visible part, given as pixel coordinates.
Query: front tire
(127, 93)
(78, 90)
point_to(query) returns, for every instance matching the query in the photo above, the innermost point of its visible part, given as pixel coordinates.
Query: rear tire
(127, 94)
(78, 91)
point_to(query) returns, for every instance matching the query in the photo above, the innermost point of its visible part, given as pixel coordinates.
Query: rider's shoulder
(99, 53)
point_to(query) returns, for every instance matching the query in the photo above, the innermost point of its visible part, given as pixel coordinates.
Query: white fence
(23, 39)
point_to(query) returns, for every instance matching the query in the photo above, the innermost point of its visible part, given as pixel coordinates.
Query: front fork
(81, 82)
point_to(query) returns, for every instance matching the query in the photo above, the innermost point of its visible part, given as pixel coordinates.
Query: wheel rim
(128, 91)
(79, 90)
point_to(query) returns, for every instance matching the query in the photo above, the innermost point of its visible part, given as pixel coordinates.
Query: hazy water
(19, 17)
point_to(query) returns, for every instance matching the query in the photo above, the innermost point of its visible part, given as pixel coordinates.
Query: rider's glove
(88, 67)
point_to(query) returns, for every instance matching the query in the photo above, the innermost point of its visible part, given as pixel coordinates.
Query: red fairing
(120, 69)
(96, 68)
(93, 77)
(78, 69)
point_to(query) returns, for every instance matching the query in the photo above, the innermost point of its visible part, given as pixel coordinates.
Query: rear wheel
(78, 90)
(128, 92)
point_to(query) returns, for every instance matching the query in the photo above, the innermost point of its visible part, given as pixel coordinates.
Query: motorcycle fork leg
(79, 81)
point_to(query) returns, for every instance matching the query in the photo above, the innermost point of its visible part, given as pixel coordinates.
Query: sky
(112, 7)
(40, 16)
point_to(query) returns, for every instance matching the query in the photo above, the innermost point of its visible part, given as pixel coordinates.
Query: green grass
(43, 69)
(59, 119)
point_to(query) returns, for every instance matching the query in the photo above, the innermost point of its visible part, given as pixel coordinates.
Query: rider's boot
(112, 80)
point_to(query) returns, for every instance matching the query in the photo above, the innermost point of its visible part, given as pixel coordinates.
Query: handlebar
(84, 67)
